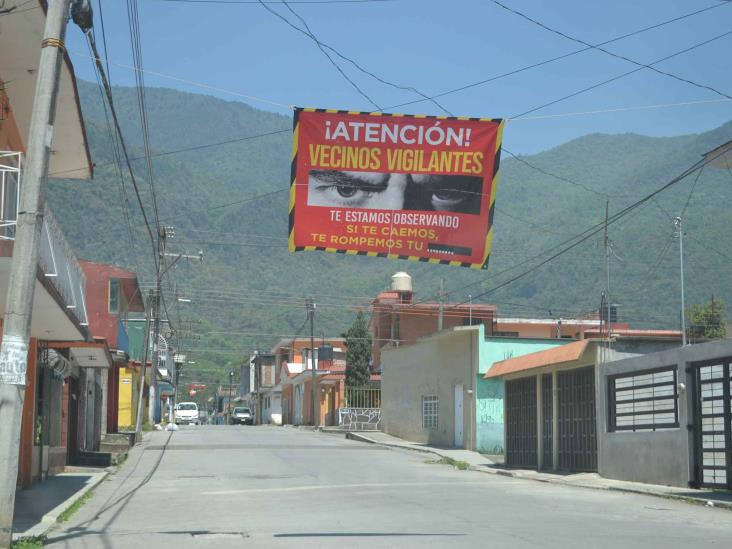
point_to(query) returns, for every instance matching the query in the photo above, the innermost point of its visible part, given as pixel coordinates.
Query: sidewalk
(484, 464)
(38, 508)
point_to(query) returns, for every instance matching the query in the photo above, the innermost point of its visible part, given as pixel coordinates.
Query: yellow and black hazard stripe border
(491, 205)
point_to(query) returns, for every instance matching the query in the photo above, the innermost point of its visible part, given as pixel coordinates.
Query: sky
(241, 51)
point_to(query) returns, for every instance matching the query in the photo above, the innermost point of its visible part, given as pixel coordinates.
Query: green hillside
(249, 289)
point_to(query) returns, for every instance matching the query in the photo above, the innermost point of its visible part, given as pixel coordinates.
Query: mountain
(249, 290)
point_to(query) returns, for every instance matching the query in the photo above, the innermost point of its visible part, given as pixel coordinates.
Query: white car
(186, 412)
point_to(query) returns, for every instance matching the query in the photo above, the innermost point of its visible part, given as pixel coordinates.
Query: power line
(323, 50)
(560, 57)
(278, 1)
(599, 227)
(608, 52)
(113, 111)
(623, 75)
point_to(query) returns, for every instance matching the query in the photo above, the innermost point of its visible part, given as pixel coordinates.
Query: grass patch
(29, 543)
(461, 465)
(78, 504)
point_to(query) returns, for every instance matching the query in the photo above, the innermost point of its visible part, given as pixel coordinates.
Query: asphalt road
(225, 486)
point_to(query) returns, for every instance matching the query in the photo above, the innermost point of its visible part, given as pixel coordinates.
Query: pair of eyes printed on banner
(459, 194)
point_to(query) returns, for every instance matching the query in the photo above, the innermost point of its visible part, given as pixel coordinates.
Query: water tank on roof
(401, 282)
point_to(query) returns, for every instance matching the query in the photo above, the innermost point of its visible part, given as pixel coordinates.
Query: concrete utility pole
(314, 392)
(143, 367)
(607, 271)
(23, 268)
(680, 232)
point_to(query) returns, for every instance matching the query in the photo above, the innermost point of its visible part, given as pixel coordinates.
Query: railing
(363, 397)
(56, 258)
(9, 195)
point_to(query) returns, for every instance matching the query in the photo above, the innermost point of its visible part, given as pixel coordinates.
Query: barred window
(644, 401)
(430, 411)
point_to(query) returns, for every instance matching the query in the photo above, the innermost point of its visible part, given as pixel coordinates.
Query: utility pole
(143, 367)
(680, 232)
(607, 274)
(442, 305)
(23, 268)
(470, 309)
(314, 392)
(231, 383)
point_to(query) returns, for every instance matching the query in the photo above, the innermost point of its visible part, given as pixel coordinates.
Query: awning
(557, 355)
(85, 354)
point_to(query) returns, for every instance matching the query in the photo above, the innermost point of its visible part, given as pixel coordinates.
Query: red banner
(396, 186)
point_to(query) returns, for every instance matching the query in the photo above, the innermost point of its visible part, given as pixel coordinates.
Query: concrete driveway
(241, 486)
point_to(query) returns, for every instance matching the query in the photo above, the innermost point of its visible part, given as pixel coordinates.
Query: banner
(397, 186)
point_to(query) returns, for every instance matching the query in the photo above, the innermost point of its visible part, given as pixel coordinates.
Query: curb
(49, 520)
(516, 475)
(54, 513)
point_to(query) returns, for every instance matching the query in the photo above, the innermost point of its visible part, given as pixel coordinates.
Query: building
(399, 319)
(551, 403)
(433, 390)
(112, 293)
(62, 415)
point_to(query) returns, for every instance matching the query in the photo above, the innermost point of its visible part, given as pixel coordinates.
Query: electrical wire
(608, 52)
(560, 57)
(623, 75)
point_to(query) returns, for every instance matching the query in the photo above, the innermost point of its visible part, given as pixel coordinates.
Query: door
(459, 419)
(521, 422)
(72, 441)
(577, 425)
(547, 427)
(713, 423)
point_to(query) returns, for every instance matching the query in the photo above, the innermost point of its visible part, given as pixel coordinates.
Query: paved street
(283, 487)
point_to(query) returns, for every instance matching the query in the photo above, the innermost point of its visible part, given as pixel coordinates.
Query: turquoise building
(489, 397)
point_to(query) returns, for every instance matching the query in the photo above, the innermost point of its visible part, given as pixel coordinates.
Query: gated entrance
(521, 422)
(547, 441)
(713, 423)
(576, 415)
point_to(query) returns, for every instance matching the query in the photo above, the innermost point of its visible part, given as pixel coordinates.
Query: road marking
(311, 487)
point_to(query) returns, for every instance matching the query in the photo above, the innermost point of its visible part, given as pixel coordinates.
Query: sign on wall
(397, 186)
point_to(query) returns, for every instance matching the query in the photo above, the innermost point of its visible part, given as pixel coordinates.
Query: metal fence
(363, 397)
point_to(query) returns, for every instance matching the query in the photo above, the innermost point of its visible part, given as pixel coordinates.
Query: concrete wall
(431, 366)
(657, 457)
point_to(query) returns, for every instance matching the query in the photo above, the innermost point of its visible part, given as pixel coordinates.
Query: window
(114, 295)
(643, 401)
(430, 411)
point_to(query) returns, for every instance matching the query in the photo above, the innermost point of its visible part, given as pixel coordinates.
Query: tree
(708, 320)
(358, 355)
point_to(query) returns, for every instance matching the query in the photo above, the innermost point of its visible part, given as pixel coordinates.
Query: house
(433, 390)
(666, 417)
(112, 293)
(158, 383)
(398, 318)
(62, 416)
(550, 399)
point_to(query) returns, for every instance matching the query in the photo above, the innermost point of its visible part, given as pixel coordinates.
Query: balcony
(59, 307)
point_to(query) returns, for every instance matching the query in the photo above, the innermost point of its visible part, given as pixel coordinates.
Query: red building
(111, 294)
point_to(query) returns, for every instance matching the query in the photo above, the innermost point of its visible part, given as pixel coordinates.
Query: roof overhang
(86, 354)
(21, 33)
(534, 362)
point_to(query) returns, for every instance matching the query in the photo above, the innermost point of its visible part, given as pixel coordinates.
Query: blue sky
(437, 45)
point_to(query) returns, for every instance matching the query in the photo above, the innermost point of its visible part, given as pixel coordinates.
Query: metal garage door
(521, 422)
(713, 423)
(577, 425)
(547, 446)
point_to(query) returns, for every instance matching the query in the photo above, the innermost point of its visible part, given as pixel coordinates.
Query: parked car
(241, 416)
(187, 413)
